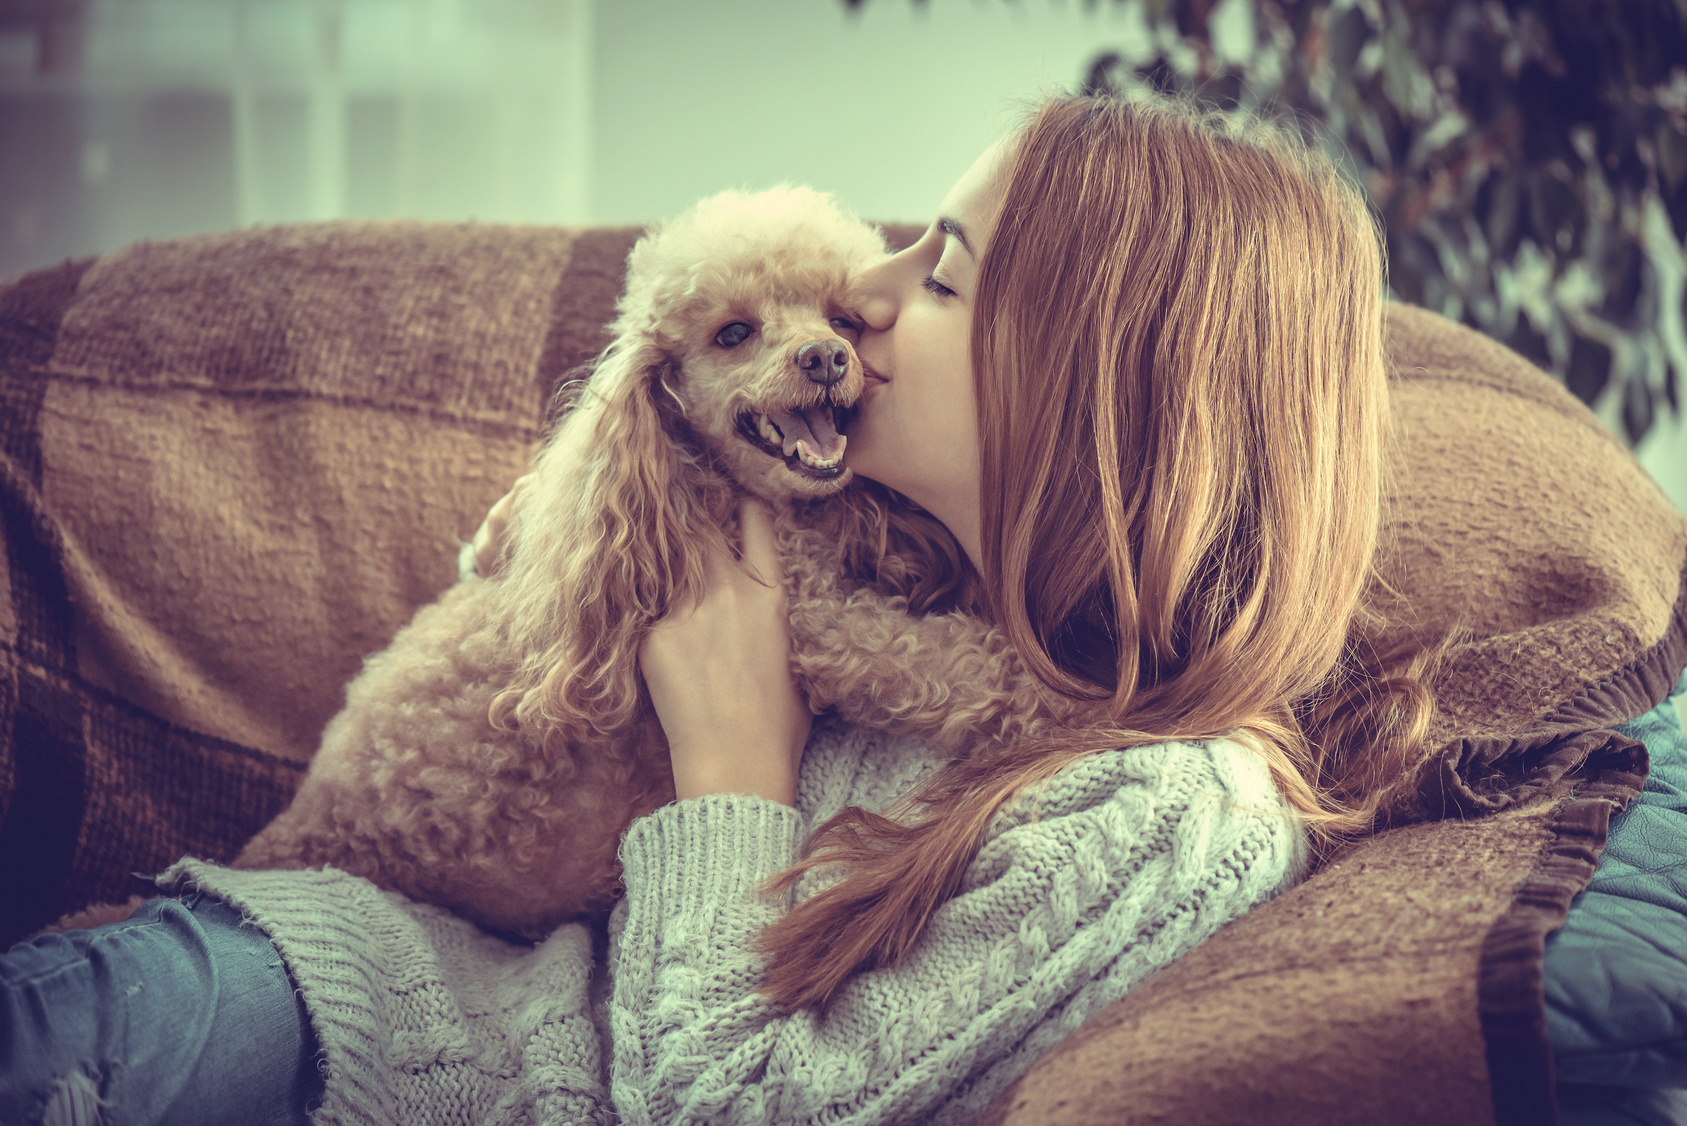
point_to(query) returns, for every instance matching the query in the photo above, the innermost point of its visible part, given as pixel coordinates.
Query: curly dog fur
(489, 759)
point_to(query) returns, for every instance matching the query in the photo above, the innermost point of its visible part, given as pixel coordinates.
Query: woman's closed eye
(932, 285)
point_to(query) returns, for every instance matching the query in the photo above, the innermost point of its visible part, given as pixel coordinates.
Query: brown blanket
(232, 466)
(1401, 983)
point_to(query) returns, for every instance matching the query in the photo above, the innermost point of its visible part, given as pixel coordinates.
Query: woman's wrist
(727, 739)
(698, 775)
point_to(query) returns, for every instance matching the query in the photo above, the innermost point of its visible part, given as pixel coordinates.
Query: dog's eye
(844, 324)
(734, 334)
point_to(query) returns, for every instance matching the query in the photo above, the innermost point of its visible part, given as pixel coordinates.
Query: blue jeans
(180, 1015)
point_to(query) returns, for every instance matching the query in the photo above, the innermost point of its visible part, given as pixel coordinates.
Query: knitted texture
(1121, 863)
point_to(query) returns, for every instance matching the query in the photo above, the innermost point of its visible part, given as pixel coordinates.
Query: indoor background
(142, 119)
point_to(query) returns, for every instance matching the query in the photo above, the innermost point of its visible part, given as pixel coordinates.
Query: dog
(489, 759)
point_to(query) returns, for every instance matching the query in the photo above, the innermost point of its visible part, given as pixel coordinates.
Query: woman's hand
(719, 674)
(488, 542)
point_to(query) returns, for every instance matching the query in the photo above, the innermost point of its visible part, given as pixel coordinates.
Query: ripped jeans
(93, 1028)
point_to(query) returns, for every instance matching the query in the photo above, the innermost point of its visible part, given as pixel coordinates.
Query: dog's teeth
(769, 432)
(810, 459)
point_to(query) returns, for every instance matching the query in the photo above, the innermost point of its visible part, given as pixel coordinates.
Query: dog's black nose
(824, 361)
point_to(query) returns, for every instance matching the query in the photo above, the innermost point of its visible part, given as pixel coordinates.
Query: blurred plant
(1528, 160)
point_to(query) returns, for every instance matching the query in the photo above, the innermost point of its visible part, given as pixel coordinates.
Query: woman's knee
(183, 1013)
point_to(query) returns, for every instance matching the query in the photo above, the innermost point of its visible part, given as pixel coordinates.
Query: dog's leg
(946, 678)
(415, 790)
(950, 679)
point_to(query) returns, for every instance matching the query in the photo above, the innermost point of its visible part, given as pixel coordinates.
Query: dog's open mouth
(809, 438)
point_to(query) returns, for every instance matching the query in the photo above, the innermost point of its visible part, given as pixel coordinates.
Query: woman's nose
(875, 297)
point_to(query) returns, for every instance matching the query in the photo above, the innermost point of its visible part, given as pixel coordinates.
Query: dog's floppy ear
(612, 534)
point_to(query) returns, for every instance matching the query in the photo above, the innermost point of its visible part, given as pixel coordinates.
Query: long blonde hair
(1177, 342)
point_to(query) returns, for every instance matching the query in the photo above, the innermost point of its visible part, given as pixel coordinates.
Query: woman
(1135, 370)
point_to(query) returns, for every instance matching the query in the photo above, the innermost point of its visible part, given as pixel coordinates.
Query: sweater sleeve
(1123, 862)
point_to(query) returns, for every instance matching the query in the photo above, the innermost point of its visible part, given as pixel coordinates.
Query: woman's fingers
(719, 675)
(760, 551)
(756, 574)
(489, 537)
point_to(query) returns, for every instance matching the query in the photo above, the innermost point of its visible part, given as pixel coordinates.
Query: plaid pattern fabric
(233, 467)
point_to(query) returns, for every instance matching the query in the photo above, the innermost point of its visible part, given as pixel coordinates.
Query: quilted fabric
(1615, 976)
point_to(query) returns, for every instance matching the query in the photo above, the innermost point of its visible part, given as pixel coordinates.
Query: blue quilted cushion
(1616, 972)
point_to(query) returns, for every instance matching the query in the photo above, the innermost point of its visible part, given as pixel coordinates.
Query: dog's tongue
(812, 425)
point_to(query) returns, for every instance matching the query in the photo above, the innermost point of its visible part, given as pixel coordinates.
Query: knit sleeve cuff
(703, 858)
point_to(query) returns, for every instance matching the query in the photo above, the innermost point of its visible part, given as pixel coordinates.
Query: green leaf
(1551, 205)
(1103, 76)
(1637, 407)
(1672, 153)
(1590, 369)
(1397, 68)
(1528, 343)
(1621, 274)
(1346, 38)
(1505, 204)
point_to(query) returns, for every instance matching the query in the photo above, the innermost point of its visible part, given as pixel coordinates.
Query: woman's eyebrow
(952, 227)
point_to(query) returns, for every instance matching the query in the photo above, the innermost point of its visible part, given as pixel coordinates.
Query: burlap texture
(232, 466)
(1519, 516)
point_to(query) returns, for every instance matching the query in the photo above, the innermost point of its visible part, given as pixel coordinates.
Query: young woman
(1135, 370)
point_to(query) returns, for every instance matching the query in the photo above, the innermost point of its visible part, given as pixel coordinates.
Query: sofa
(231, 466)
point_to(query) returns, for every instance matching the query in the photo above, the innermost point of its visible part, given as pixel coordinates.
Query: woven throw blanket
(1401, 983)
(230, 469)
(232, 466)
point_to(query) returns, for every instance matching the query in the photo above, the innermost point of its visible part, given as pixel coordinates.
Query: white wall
(538, 110)
(886, 107)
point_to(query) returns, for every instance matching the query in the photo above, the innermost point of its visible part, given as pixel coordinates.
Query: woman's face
(917, 428)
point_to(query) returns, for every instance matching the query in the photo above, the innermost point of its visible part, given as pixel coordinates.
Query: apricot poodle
(488, 760)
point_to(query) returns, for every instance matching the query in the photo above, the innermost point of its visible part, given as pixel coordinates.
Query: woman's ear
(609, 536)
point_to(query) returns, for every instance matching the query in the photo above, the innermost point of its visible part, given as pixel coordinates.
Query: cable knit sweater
(1121, 863)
